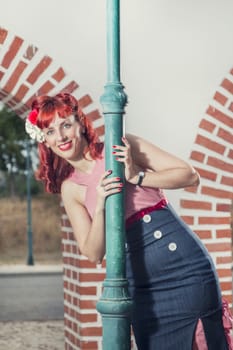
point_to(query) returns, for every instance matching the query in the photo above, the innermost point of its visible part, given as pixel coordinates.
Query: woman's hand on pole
(123, 154)
(108, 186)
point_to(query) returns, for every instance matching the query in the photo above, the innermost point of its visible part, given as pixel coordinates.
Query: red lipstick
(65, 146)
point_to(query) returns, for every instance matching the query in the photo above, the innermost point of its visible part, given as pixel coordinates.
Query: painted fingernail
(109, 171)
(114, 146)
(118, 178)
(113, 152)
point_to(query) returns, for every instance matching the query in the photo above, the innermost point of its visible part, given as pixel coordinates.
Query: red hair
(53, 170)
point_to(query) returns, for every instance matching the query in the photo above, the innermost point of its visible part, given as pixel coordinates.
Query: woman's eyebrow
(54, 125)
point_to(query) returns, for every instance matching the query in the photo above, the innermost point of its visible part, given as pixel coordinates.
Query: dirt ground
(47, 335)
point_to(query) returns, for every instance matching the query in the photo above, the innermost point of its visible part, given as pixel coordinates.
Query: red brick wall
(25, 72)
(82, 289)
(209, 210)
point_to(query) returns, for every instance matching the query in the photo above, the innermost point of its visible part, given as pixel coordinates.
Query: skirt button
(157, 234)
(146, 218)
(172, 247)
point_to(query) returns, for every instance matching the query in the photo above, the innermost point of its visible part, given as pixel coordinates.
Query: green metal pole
(30, 260)
(115, 303)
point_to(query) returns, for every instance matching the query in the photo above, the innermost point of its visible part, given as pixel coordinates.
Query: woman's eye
(67, 125)
(49, 132)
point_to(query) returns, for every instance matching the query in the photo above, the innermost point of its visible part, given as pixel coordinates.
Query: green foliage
(12, 141)
(13, 153)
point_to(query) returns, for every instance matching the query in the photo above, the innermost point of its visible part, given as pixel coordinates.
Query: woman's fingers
(108, 186)
(122, 153)
(105, 175)
(125, 141)
(122, 147)
(112, 189)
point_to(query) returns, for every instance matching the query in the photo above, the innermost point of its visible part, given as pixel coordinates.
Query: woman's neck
(85, 164)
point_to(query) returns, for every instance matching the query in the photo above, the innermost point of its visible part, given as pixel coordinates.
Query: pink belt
(137, 216)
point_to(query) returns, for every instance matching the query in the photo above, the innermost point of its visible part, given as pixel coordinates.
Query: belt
(137, 216)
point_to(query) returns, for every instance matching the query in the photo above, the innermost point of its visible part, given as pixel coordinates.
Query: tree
(13, 139)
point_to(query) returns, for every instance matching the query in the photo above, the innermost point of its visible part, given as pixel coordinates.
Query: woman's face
(64, 137)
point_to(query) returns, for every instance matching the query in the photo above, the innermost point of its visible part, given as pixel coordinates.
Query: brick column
(82, 289)
(209, 211)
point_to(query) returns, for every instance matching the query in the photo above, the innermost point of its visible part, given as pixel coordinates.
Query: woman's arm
(89, 233)
(162, 169)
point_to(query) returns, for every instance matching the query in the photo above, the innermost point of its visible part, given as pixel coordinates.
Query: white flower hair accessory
(32, 129)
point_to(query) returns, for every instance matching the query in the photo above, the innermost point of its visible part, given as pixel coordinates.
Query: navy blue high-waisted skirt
(173, 284)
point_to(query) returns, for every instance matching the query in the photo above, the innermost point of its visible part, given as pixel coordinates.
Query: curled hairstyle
(53, 170)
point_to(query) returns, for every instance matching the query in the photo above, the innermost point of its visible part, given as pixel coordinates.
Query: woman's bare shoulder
(67, 185)
(71, 191)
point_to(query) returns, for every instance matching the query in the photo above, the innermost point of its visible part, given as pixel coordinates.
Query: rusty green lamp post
(30, 259)
(115, 303)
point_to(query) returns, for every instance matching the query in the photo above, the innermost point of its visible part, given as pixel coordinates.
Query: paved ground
(32, 335)
(29, 334)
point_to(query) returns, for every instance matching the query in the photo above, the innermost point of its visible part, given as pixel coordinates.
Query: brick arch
(209, 211)
(25, 72)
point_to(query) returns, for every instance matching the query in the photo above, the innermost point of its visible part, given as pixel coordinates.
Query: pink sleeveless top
(136, 198)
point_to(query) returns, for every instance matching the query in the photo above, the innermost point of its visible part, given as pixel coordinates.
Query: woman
(172, 279)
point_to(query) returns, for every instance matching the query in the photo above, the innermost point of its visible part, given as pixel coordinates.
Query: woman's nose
(61, 135)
